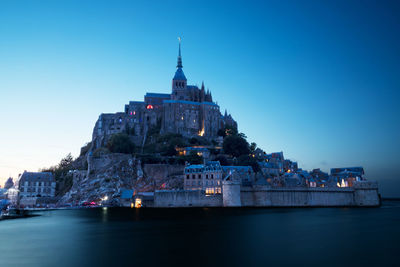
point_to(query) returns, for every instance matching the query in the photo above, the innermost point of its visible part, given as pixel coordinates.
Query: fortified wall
(364, 193)
(185, 198)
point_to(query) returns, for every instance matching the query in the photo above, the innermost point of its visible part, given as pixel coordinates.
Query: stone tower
(231, 191)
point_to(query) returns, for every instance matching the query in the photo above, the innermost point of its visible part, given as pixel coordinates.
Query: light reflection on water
(207, 236)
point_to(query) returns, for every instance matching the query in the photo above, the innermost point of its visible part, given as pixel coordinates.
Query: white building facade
(37, 184)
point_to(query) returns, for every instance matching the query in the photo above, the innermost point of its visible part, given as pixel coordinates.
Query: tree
(66, 162)
(253, 147)
(221, 132)
(236, 145)
(193, 158)
(246, 160)
(194, 141)
(171, 151)
(222, 160)
(120, 143)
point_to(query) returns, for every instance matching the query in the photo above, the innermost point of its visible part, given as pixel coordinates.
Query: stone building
(205, 177)
(37, 184)
(244, 174)
(187, 110)
(345, 177)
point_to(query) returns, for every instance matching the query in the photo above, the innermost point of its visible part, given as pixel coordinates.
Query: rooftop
(37, 177)
(159, 95)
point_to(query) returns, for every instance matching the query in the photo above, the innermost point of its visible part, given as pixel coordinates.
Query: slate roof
(159, 95)
(237, 168)
(190, 102)
(179, 75)
(126, 193)
(37, 177)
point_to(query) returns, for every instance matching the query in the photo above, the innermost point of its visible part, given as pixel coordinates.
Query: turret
(202, 93)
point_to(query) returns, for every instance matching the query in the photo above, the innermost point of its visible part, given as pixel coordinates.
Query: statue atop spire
(179, 54)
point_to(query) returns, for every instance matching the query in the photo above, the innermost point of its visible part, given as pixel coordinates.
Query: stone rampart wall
(186, 198)
(362, 194)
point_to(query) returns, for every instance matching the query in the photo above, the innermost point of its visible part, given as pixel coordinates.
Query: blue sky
(318, 80)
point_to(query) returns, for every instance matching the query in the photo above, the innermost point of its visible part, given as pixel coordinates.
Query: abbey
(187, 110)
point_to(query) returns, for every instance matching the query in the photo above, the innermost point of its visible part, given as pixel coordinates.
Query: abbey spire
(179, 65)
(179, 81)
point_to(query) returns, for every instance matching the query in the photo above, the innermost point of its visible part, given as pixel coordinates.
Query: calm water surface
(207, 237)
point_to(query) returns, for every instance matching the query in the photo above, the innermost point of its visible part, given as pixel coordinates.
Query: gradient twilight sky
(318, 80)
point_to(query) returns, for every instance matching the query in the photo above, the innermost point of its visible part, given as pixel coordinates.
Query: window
(206, 176)
(199, 176)
(212, 176)
(187, 176)
(194, 176)
(199, 182)
(210, 191)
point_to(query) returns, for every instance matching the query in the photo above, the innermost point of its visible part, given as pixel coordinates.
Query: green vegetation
(120, 143)
(165, 144)
(100, 152)
(246, 160)
(222, 160)
(162, 148)
(61, 175)
(236, 145)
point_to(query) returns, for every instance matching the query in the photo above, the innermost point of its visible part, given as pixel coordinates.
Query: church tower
(179, 82)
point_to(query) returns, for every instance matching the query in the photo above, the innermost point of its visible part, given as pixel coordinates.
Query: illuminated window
(210, 191)
(138, 203)
(149, 107)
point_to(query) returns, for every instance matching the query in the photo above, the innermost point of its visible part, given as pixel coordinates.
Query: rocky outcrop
(108, 174)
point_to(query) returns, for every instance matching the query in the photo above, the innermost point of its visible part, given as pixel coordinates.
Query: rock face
(108, 174)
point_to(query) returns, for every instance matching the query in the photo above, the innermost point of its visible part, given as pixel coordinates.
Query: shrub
(100, 152)
(246, 160)
(120, 143)
(236, 145)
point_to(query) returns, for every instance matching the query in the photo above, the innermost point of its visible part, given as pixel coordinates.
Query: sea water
(204, 237)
